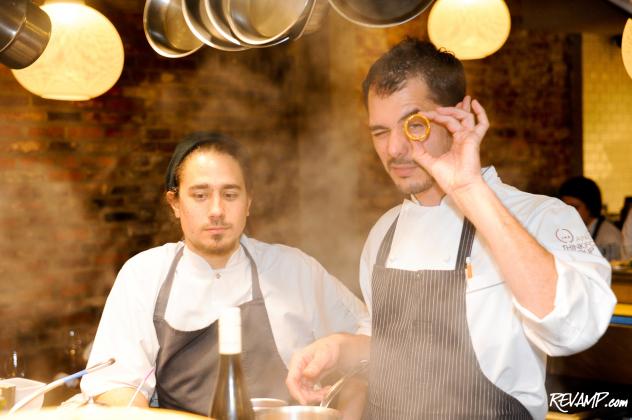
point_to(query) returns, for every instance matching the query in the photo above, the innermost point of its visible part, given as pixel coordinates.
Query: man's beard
(412, 187)
(415, 187)
(217, 248)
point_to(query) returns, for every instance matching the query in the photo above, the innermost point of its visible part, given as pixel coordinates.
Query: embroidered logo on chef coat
(580, 243)
(564, 235)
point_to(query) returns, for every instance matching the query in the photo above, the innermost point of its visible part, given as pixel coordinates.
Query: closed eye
(231, 195)
(379, 133)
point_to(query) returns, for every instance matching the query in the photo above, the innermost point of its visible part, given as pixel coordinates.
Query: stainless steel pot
(259, 404)
(264, 22)
(215, 15)
(166, 30)
(196, 16)
(298, 412)
(379, 13)
(24, 33)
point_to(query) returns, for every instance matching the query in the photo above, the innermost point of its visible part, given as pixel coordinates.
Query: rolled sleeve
(584, 304)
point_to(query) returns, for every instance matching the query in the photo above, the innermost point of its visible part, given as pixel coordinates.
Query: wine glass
(14, 365)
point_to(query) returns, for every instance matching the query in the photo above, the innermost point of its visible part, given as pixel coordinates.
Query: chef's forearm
(527, 268)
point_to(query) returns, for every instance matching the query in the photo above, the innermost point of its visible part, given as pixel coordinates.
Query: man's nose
(216, 208)
(397, 144)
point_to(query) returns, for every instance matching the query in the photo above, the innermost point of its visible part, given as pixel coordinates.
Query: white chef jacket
(609, 239)
(303, 302)
(510, 342)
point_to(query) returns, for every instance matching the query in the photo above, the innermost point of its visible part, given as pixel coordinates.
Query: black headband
(183, 149)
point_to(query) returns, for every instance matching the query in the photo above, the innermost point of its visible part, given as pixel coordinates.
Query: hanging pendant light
(471, 29)
(83, 59)
(626, 47)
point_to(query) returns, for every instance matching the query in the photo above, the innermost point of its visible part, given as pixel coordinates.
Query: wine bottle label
(230, 331)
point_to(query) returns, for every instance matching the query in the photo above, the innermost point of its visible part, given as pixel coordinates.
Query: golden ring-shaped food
(426, 123)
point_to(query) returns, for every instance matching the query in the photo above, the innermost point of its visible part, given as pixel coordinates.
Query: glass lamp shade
(471, 29)
(83, 59)
(626, 47)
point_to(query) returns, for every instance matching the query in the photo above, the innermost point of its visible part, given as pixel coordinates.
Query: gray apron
(188, 361)
(422, 360)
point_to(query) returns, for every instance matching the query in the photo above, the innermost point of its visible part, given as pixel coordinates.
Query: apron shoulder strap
(466, 242)
(385, 246)
(165, 289)
(256, 288)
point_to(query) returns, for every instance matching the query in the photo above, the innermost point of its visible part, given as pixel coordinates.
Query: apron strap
(465, 244)
(165, 289)
(385, 246)
(256, 288)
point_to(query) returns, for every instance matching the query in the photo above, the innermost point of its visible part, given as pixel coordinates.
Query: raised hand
(460, 166)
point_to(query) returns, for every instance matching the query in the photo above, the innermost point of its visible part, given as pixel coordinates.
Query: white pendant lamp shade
(83, 59)
(626, 47)
(471, 29)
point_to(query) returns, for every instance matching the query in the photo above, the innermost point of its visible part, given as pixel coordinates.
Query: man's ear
(249, 203)
(173, 201)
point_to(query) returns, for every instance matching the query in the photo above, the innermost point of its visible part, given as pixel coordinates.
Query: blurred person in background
(160, 319)
(584, 195)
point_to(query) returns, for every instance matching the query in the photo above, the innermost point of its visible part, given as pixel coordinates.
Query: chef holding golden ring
(417, 127)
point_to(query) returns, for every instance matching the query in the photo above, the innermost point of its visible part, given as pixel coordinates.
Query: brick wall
(82, 181)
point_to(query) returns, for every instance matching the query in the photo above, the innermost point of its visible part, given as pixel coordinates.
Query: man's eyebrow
(208, 186)
(412, 112)
(403, 118)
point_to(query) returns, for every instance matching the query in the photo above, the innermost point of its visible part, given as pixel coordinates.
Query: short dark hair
(585, 190)
(204, 140)
(442, 72)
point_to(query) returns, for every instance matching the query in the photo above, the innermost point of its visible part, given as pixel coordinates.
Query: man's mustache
(392, 162)
(215, 223)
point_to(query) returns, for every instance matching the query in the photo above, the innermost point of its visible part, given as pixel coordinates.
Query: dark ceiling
(607, 17)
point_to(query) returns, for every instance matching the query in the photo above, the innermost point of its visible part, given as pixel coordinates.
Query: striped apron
(423, 365)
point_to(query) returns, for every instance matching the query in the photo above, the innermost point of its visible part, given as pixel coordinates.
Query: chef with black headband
(160, 319)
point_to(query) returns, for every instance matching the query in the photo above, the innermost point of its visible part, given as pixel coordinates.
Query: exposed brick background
(81, 186)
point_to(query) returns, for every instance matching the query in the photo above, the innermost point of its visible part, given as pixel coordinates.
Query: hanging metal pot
(379, 13)
(166, 30)
(24, 33)
(266, 22)
(218, 22)
(196, 14)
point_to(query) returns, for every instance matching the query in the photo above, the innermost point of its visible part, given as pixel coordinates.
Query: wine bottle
(231, 400)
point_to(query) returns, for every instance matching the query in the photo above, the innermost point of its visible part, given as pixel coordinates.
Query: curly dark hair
(442, 72)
